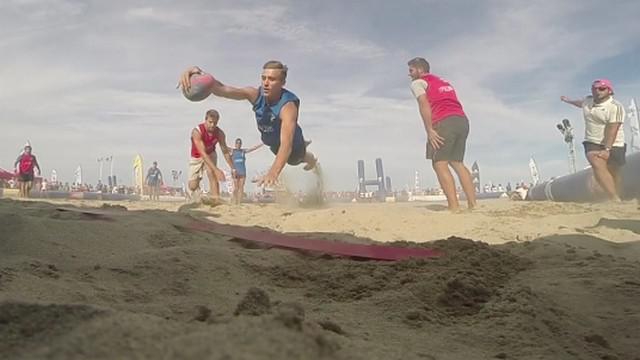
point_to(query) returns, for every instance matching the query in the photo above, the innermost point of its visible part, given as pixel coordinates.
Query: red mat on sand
(376, 252)
(341, 248)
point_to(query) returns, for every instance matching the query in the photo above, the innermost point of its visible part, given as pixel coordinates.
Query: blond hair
(275, 64)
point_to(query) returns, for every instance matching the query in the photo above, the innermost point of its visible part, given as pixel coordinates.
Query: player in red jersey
(204, 138)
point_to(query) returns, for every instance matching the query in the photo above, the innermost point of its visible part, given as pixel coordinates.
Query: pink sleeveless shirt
(442, 98)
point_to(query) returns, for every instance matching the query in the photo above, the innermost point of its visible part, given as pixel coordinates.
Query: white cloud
(276, 22)
(158, 15)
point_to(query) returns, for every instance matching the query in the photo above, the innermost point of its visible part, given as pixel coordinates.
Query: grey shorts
(25, 177)
(454, 130)
(617, 156)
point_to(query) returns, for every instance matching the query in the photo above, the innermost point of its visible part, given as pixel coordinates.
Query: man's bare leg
(614, 170)
(194, 189)
(214, 190)
(236, 184)
(464, 175)
(447, 183)
(240, 190)
(603, 176)
(214, 187)
(27, 190)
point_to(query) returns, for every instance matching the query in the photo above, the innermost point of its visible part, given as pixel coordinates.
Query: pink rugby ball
(201, 86)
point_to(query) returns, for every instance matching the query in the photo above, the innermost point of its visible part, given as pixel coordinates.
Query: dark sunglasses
(602, 88)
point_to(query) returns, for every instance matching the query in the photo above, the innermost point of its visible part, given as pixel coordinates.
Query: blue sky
(87, 79)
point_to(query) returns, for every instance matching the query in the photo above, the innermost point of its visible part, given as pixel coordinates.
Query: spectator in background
(24, 168)
(154, 180)
(238, 154)
(604, 144)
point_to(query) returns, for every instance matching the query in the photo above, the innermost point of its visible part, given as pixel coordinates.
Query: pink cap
(602, 83)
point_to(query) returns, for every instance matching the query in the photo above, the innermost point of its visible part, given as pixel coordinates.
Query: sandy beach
(518, 280)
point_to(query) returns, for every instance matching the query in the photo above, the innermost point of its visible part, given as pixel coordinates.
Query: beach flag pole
(635, 127)
(78, 174)
(138, 174)
(533, 169)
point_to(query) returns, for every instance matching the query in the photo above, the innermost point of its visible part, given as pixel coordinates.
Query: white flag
(535, 176)
(79, 175)
(632, 116)
(228, 181)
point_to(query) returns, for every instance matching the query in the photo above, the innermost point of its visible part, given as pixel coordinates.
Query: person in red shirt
(204, 138)
(447, 129)
(24, 166)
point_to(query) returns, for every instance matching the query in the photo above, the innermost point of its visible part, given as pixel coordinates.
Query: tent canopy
(6, 175)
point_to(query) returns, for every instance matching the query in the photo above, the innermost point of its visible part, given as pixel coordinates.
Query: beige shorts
(197, 167)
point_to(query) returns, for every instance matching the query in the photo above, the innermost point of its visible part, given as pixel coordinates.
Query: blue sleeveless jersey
(269, 122)
(238, 157)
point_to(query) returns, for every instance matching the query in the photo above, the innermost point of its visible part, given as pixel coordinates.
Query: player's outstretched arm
(226, 151)
(254, 148)
(219, 89)
(576, 103)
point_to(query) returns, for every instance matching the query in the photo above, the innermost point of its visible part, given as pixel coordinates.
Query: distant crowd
(47, 185)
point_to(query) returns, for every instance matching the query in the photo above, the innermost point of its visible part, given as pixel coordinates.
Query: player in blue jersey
(238, 156)
(276, 110)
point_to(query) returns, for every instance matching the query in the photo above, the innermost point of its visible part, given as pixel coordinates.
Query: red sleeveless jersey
(210, 140)
(442, 98)
(26, 164)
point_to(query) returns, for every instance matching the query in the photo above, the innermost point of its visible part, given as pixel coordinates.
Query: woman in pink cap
(604, 135)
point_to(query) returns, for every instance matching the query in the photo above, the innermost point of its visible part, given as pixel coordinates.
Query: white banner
(228, 181)
(475, 176)
(533, 168)
(78, 175)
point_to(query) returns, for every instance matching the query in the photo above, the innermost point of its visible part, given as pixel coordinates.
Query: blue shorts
(241, 172)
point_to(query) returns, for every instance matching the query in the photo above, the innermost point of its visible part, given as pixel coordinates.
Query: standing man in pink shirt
(447, 130)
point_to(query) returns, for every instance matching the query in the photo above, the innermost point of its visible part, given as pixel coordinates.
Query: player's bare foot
(212, 201)
(311, 163)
